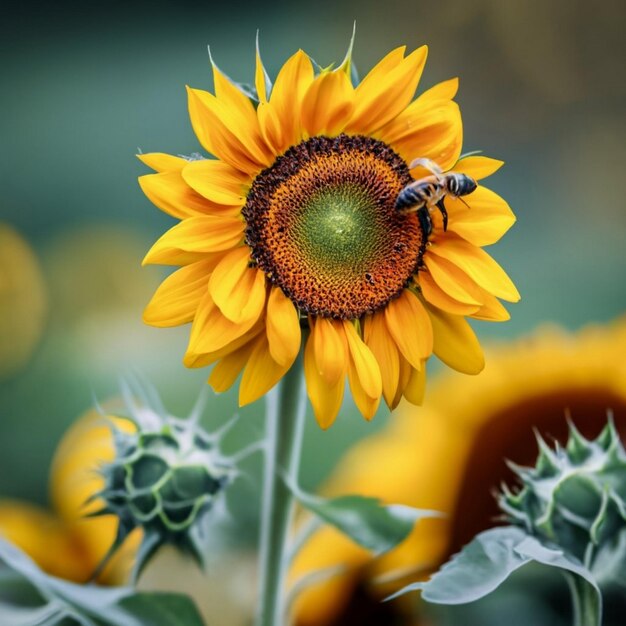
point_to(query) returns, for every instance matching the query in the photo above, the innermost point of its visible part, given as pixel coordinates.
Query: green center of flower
(323, 226)
(338, 230)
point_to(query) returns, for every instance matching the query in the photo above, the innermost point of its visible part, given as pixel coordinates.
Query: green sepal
(547, 465)
(266, 78)
(578, 448)
(347, 65)
(244, 88)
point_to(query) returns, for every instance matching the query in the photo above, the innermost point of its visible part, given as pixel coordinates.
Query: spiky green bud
(574, 497)
(165, 479)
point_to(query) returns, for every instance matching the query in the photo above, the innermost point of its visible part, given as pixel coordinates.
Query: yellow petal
(327, 104)
(176, 300)
(174, 196)
(261, 373)
(217, 131)
(365, 365)
(325, 399)
(161, 162)
(217, 181)
(478, 167)
(383, 347)
(410, 327)
(477, 264)
(491, 310)
(435, 133)
(211, 330)
(434, 294)
(237, 289)
(283, 328)
(366, 404)
(416, 386)
(279, 118)
(445, 90)
(240, 115)
(455, 342)
(228, 368)
(452, 280)
(331, 350)
(406, 371)
(387, 90)
(194, 238)
(194, 359)
(429, 127)
(484, 218)
(46, 540)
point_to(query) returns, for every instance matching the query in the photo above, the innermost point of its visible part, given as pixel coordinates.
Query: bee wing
(428, 164)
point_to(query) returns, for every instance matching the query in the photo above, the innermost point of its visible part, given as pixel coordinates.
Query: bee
(426, 193)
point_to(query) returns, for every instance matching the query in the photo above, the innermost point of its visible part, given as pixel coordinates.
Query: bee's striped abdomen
(415, 195)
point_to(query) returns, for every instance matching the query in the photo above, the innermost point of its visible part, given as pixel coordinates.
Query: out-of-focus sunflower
(294, 223)
(23, 301)
(451, 457)
(63, 541)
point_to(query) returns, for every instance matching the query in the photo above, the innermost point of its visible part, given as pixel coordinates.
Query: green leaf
(481, 566)
(366, 521)
(583, 584)
(27, 592)
(27, 615)
(162, 609)
(489, 559)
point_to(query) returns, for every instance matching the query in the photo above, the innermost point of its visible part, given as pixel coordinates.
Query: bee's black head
(465, 185)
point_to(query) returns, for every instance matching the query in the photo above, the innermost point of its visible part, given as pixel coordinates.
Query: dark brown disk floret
(322, 224)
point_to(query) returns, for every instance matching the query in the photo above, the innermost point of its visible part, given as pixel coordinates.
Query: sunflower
(451, 458)
(63, 541)
(23, 301)
(293, 225)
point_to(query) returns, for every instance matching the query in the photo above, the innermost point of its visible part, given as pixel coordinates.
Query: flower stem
(585, 602)
(285, 412)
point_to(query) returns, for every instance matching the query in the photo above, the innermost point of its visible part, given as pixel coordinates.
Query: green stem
(586, 607)
(285, 412)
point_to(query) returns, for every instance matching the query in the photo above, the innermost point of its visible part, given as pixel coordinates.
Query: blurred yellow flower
(295, 222)
(23, 301)
(450, 456)
(63, 541)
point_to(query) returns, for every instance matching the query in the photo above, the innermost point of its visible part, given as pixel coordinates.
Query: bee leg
(444, 212)
(425, 222)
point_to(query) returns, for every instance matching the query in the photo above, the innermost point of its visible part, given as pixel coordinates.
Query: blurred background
(86, 85)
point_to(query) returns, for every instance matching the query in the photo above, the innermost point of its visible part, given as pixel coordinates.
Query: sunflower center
(322, 224)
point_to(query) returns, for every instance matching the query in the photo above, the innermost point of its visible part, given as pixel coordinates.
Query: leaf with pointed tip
(480, 568)
(367, 521)
(162, 609)
(34, 597)
(488, 560)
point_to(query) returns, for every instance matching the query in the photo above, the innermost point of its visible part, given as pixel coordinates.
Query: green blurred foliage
(86, 85)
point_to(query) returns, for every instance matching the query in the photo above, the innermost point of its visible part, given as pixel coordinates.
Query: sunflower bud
(165, 479)
(574, 496)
